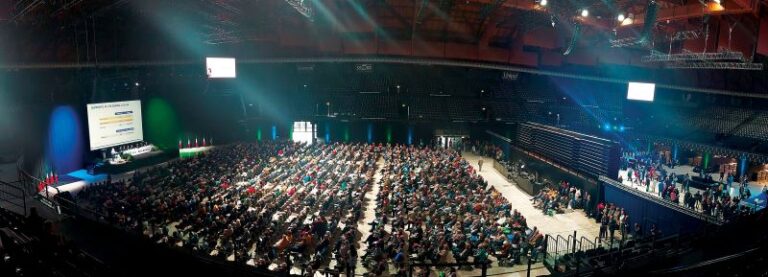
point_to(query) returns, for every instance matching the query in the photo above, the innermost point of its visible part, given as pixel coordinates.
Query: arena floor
(561, 223)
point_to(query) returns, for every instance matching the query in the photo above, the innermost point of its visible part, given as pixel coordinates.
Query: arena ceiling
(518, 32)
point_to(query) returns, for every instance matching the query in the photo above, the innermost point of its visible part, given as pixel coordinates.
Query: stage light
(716, 1)
(137, 84)
(584, 13)
(543, 3)
(552, 19)
(621, 17)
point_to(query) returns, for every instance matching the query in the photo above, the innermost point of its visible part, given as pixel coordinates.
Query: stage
(75, 181)
(193, 152)
(139, 161)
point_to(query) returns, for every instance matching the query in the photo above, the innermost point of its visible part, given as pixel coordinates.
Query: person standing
(647, 184)
(660, 190)
(480, 165)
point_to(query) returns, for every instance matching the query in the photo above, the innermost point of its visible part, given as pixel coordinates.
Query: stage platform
(75, 181)
(144, 160)
(193, 152)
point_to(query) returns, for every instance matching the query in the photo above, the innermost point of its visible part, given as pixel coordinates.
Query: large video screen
(220, 67)
(641, 91)
(114, 123)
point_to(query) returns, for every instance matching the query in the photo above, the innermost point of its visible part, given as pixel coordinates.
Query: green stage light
(162, 124)
(346, 133)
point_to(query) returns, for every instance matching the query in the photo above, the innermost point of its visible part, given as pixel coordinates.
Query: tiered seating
(430, 107)
(702, 254)
(29, 248)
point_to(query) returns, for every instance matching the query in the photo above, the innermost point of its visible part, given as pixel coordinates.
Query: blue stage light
(65, 140)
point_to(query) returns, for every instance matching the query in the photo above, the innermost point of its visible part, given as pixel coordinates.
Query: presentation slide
(641, 91)
(114, 123)
(220, 67)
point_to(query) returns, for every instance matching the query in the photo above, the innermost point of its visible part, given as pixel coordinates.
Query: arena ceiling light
(543, 3)
(584, 13)
(621, 17)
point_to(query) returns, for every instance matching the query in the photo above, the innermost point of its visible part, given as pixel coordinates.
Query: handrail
(589, 243)
(508, 140)
(707, 262)
(22, 196)
(694, 214)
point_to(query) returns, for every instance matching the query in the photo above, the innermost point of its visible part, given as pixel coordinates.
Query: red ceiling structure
(516, 32)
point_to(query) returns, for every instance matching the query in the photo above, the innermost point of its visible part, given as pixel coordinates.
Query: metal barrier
(586, 244)
(692, 213)
(559, 246)
(10, 192)
(483, 266)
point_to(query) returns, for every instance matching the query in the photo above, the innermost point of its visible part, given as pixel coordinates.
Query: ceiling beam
(399, 17)
(485, 12)
(695, 10)
(386, 60)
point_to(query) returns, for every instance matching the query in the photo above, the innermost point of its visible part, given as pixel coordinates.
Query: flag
(203, 141)
(180, 145)
(55, 178)
(195, 141)
(189, 142)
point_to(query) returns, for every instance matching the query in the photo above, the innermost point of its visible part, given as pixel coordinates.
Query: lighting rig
(304, 7)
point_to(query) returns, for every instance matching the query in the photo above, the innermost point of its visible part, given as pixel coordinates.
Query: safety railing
(678, 208)
(14, 195)
(586, 244)
(483, 266)
(559, 246)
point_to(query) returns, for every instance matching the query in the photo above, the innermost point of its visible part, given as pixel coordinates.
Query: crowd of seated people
(434, 208)
(273, 205)
(31, 247)
(553, 199)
